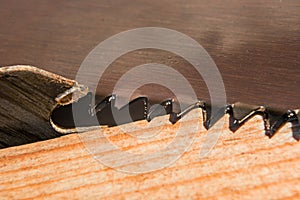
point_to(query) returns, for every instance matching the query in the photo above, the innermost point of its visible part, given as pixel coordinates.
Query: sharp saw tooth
(240, 113)
(138, 109)
(29, 96)
(108, 101)
(165, 107)
(174, 117)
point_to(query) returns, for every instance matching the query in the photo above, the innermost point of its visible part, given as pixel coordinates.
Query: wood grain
(28, 96)
(256, 46)
(244, 164)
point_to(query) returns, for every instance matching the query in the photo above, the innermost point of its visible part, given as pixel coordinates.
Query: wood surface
(242, 165)
(256, 46)
(28, 96)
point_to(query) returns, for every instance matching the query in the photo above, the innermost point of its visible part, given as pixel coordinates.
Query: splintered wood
(245, 164)
(27, 97)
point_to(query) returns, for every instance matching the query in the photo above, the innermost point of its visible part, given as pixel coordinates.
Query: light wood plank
(245, 164)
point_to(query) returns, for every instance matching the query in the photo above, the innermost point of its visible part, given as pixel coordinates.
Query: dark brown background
(255, 44)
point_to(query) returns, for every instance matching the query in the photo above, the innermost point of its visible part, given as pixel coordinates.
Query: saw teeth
(165, 107)
(107, 101)
(174, 117)
(107, 114)
(240, 113)
(273, 119)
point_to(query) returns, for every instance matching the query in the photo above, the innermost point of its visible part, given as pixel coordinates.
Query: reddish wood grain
(256, 46)
(244, 164)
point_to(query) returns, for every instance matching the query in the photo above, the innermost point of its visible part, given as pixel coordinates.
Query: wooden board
(28, 96)
(244, 164)
(256, 46)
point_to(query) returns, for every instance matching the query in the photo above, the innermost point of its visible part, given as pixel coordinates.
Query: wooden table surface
(243, 165)
(255, 44)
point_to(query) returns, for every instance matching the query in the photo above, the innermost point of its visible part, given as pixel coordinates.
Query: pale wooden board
(245, 164)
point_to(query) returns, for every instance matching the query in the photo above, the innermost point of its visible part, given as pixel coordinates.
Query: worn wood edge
(18, 68)
(245, 164)
(29, 96)
(67, 97)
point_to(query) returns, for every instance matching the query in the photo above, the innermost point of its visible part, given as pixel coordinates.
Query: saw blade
(37, 105)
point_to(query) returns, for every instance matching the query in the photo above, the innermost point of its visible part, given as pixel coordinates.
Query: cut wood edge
(28, 97)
